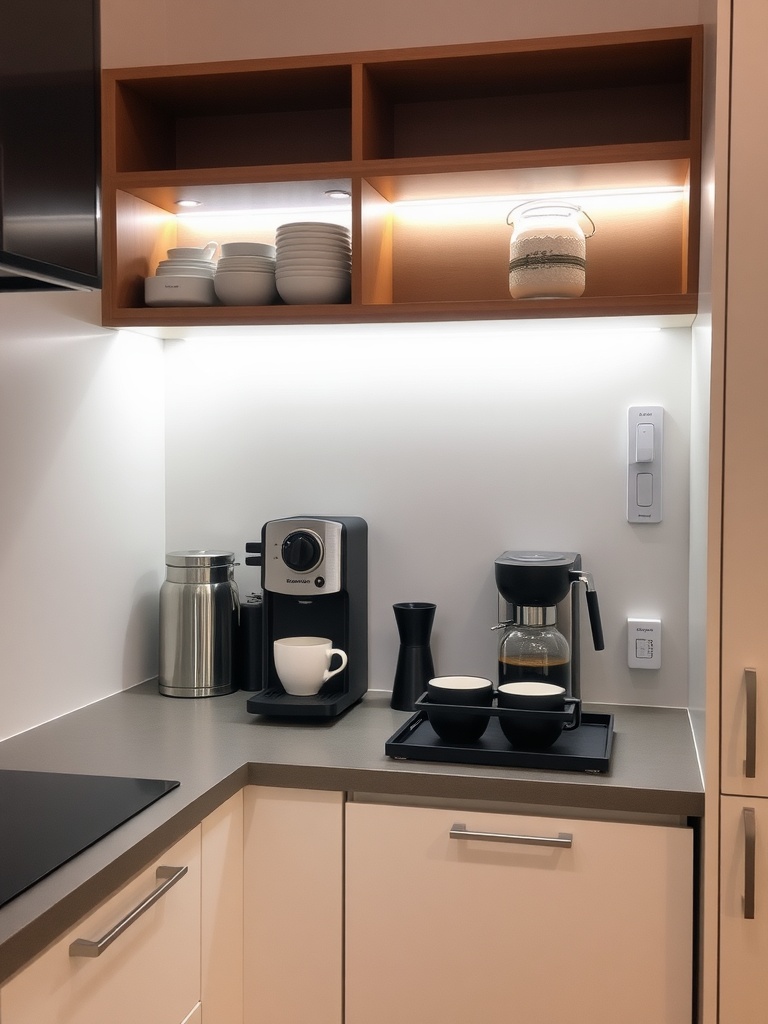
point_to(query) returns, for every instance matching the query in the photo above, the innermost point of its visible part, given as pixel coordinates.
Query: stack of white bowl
(184, 279)
(314, 262)
(245, 274)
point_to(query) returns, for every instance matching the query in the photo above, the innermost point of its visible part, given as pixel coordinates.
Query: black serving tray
(586, 749)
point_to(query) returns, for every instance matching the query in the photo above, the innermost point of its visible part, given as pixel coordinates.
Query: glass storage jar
(547, 251)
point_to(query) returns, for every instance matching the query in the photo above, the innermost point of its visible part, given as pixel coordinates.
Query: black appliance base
(279, 704)
(586, 749)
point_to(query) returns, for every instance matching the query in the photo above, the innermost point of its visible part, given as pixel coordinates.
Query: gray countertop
(214, 747)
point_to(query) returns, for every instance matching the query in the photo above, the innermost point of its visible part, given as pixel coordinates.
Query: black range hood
(49, 145)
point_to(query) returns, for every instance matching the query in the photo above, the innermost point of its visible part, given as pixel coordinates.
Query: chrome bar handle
(562, 839)
(750, 683)
(750, 842)
(88, 947)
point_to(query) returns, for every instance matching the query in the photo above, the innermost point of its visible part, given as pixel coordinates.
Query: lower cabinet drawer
(150, 972)
(458, 917)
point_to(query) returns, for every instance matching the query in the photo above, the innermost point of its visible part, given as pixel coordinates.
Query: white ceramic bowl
(247, 249)
(245, 263)
(312, 266)
(303, 290)
(308, 226)
(334, 241)
(294, 248)
(311, 254)
(188, 252)
(185, 272)
(244, 288)
(168, 290)
(186, 262)
(306, 272)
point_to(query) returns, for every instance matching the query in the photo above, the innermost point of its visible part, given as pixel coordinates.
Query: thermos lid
(199, 559)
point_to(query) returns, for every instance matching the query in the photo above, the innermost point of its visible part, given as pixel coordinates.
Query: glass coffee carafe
(532, 587)
(533, 649)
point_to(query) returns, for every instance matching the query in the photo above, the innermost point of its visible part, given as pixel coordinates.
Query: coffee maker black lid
(535, 578)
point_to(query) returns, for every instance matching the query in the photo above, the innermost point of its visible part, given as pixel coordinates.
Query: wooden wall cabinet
(434, 146)
(743, 936)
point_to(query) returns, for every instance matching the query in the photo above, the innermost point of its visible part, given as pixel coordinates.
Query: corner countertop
(214, 747)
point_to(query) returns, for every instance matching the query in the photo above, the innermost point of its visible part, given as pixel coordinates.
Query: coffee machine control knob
(302, 551)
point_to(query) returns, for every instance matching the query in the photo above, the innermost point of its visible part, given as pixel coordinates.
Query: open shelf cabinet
(433, 148)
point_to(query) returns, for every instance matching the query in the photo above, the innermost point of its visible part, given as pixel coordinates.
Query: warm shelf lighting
(188, 203)
(578, 197)
(494, 209)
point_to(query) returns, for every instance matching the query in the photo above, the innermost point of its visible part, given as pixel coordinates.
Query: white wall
(454, 442)
(81, 506)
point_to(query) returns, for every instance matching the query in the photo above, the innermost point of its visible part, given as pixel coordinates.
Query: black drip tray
(586, 749)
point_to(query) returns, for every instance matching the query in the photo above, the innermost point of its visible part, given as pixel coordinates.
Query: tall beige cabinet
(743, 935)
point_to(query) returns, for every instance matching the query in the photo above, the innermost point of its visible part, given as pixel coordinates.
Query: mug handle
(335, 671)
(576, 713)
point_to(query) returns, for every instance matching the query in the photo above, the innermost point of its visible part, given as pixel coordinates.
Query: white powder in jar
(547, 266)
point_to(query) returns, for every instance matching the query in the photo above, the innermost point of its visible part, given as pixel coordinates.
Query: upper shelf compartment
(433, 146)
(170, 119)
(533, 96)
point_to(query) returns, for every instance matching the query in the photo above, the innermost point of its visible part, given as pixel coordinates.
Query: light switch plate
(645, 437)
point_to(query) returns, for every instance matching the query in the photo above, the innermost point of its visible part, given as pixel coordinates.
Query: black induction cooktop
(46, 818)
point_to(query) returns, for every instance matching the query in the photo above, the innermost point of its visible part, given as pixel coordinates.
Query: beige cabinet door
(150, 973)
(222, 913)
(745, 512)
(457, 930)
(293, 870)
(743, 910)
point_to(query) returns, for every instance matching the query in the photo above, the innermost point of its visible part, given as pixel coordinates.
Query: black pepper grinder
(414, 662)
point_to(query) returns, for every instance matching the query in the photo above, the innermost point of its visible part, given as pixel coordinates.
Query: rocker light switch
(645, 428)
(644, 442)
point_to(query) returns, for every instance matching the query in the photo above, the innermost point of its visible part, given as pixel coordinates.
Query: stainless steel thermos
(199, 620)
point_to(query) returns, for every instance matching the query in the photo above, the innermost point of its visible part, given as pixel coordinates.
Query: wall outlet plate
(644, 643)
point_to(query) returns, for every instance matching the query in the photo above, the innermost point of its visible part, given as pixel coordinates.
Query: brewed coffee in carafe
(532, 647)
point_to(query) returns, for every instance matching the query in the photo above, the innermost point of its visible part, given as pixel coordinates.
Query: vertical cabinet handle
(562, 839)
(88, 947)
(750, 841)
(750, 683)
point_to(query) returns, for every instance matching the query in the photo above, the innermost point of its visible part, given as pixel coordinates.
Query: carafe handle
(579, 576)
(594, 620)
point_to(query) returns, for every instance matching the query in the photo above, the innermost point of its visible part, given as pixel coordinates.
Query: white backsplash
(455, 442)
(82, 517)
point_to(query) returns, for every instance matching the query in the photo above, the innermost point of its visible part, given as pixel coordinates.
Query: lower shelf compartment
(586, 749)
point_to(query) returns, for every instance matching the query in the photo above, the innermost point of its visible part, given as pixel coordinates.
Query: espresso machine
(314, 574)
(539, 614)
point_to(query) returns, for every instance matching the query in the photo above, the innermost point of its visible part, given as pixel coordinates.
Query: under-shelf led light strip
(194, 212)
(575, 196)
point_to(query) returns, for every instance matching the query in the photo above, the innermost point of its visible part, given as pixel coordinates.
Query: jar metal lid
(199, 559)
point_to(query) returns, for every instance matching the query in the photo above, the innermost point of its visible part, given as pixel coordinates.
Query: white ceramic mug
(303, 663)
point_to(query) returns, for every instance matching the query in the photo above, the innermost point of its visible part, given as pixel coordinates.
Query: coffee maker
(537, 594)
(314, 573)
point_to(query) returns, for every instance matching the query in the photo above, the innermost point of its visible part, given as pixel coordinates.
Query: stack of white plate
(245, 274)
(314, 262)
(181, 280)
